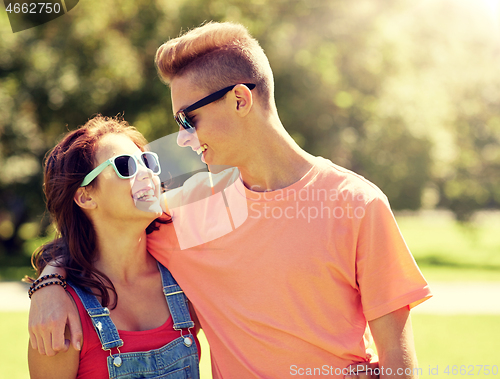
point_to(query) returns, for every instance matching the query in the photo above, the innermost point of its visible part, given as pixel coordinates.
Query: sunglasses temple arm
(93, 174)
(209, 99)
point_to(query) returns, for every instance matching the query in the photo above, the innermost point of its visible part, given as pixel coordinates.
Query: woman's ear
(244, 99)
(84, 199)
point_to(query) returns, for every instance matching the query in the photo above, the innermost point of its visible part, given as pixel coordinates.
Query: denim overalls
(178, 359)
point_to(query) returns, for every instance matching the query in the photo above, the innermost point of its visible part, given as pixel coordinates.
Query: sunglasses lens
(183, 121)
(126, 166)
(151, 162)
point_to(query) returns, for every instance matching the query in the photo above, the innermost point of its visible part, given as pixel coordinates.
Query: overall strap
(105, 328)
(176, 300)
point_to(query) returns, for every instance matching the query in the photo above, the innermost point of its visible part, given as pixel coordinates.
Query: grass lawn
(13, 346)
(461, 340)
(448, 251)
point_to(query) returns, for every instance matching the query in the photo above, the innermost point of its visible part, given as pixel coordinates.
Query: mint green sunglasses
(126, 166)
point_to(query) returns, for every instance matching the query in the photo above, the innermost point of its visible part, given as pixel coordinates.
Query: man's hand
(363, 370)
(50, 311)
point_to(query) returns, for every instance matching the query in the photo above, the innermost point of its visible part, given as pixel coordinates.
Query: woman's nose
(144, 172)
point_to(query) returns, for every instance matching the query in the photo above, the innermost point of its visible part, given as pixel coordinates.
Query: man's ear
(84, 199)
(244, 99)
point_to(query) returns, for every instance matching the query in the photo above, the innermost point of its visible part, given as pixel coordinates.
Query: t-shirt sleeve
(387, 274)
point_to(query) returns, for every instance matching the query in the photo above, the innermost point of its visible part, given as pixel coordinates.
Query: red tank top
(93, 358)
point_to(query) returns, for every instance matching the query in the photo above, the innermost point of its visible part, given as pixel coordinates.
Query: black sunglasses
(181, 116)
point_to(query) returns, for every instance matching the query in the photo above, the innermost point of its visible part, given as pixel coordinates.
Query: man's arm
(51, 310)
(393, 338)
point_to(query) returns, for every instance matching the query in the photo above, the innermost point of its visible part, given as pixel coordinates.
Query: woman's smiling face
(122, 198)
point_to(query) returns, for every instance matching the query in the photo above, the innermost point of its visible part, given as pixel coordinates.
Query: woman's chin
(153, 207)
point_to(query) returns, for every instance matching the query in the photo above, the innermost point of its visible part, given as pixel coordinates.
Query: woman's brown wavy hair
(74, 247)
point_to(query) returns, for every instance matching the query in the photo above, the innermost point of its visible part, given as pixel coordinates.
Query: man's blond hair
(217, 55)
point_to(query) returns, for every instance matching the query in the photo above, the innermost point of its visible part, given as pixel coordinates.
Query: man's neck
(276, 161)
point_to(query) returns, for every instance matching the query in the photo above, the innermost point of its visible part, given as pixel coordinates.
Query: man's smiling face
(216, 126)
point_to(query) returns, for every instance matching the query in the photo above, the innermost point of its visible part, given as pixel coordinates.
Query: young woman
(103, 193)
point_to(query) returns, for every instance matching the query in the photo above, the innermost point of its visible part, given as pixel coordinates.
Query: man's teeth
(144, 194)
(201, 149)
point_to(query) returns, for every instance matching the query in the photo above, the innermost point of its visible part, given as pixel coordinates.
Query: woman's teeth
(144, 195)
(201, 149)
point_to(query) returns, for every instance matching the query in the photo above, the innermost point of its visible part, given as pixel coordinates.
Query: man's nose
(184, 138)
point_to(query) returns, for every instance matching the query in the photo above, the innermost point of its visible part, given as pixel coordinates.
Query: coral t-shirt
(93, 359)
(290, 288)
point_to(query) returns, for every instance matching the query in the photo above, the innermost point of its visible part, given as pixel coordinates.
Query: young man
(317, 256)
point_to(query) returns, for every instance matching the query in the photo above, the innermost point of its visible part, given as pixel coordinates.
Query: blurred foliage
(406, 94)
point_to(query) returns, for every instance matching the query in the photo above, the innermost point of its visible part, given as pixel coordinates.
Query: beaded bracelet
(34, 289)
(49, 276)
(35, 285)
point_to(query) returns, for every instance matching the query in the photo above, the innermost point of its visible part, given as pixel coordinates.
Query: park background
(405, 93)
